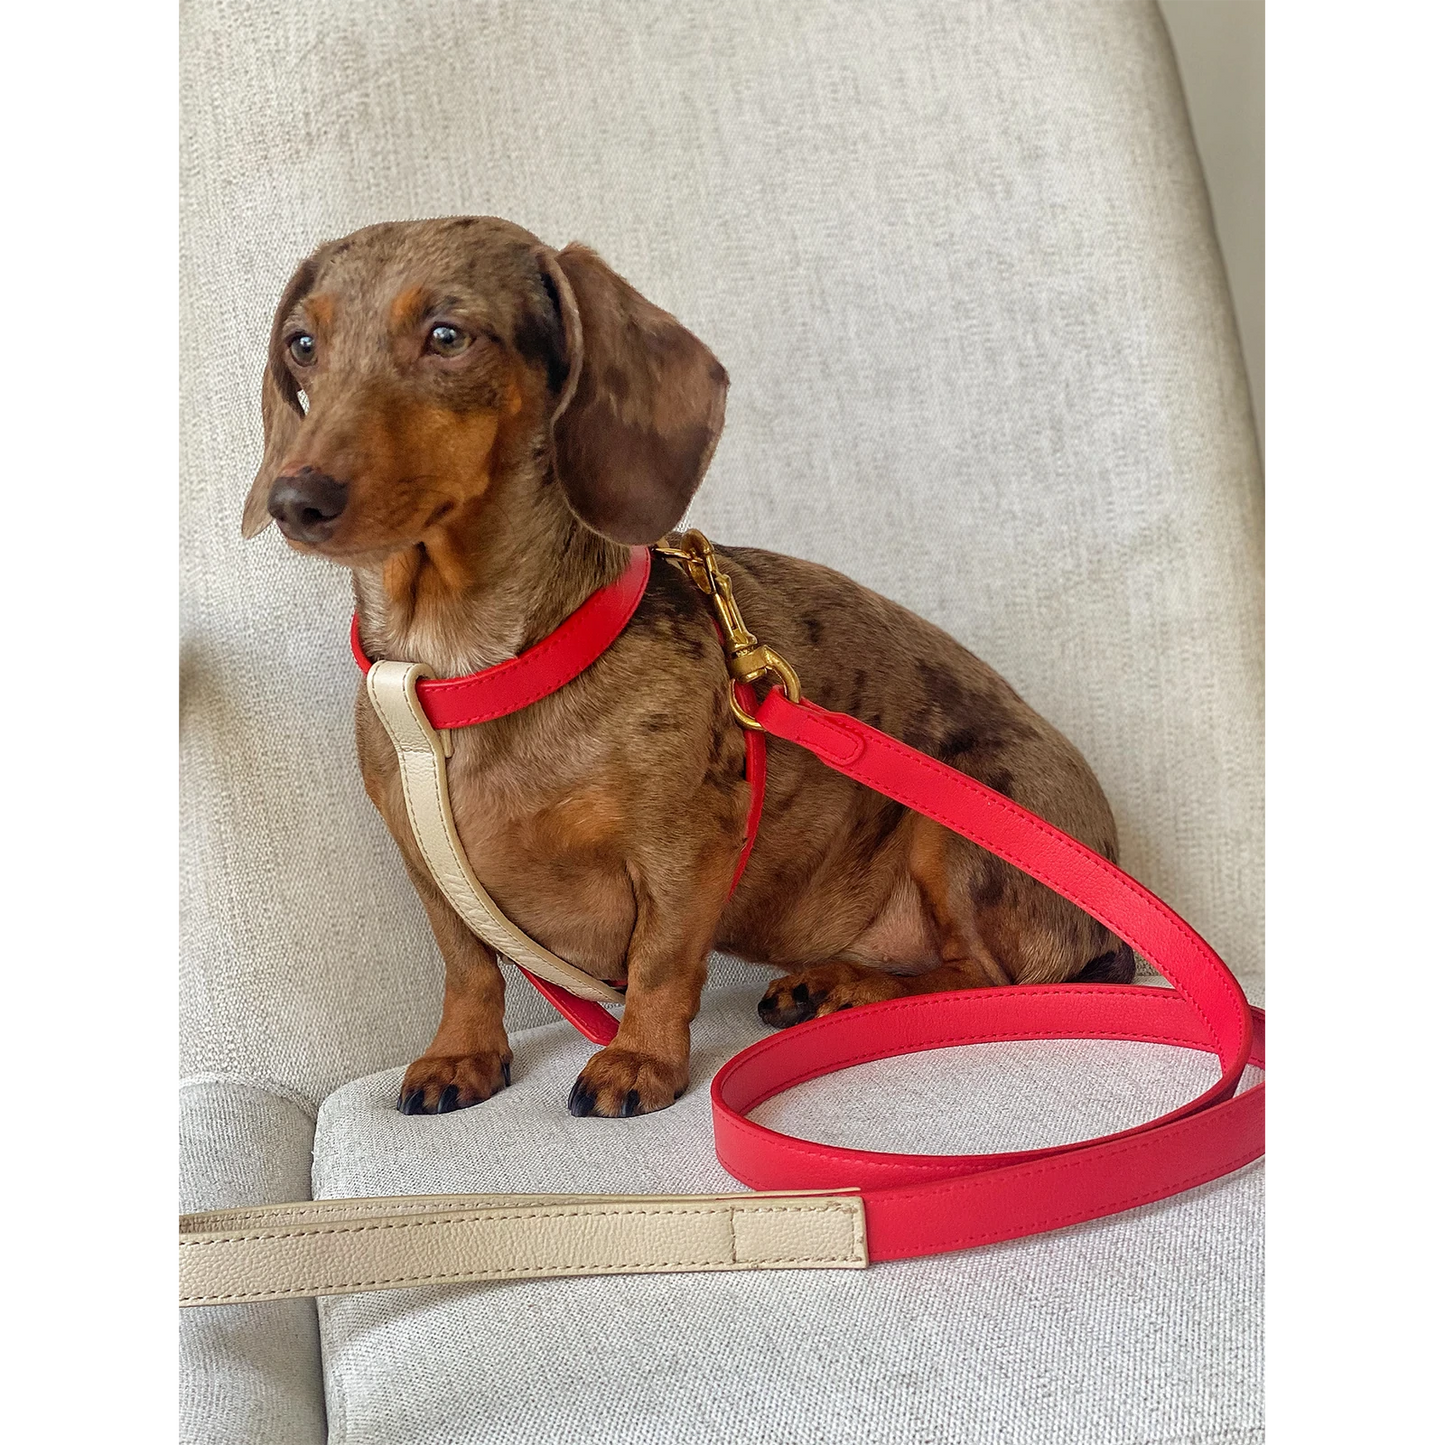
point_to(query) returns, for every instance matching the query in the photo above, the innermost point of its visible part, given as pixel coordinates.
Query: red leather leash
(924, 1203)
(927, 1204)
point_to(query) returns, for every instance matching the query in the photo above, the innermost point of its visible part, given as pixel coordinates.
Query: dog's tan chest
(554, 861)
(548, 847)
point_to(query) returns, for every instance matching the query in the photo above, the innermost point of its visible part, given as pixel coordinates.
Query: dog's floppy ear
(281, 412)
(641, 408)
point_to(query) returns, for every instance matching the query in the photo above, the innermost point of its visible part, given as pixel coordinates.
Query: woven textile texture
(250, 1374)
(958, 260)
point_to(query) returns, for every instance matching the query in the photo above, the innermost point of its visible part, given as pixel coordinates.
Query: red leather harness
(931, 1203)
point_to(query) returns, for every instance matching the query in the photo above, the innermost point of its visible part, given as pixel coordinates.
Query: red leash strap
(755, 770)
(928, 1204)
(590, 1019)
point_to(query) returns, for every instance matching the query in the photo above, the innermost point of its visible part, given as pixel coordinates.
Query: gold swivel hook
(748, 660)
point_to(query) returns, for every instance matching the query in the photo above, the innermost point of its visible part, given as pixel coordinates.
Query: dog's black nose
(307, 504)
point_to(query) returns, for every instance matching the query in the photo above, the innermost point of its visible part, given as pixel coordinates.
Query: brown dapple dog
(478, 426)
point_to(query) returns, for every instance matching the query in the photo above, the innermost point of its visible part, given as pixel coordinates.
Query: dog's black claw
(414, 1102)
(841, 1007)
(631, 1103)
(580, 1100)
(448, 1100)
(794, 1006)
(507, 1074)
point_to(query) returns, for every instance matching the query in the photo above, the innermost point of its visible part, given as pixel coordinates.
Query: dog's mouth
(347, 554)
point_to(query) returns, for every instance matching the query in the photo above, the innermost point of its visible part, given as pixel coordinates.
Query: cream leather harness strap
(343, 1245)
(421, 753)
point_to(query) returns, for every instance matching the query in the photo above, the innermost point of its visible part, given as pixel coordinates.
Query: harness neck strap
(463, 702)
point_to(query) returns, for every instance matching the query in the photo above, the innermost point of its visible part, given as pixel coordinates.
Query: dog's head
(412, 364)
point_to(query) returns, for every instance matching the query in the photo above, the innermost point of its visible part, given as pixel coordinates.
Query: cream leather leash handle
(422, 756)
(342, 1246)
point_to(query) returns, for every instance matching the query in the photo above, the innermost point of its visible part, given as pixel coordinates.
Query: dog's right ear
(281, 411)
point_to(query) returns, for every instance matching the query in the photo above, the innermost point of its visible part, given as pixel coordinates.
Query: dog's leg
(946, 877)
(988, 925)
(645, 1067)
(469, 1059)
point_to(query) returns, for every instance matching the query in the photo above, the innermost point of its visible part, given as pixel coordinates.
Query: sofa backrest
(958, 260)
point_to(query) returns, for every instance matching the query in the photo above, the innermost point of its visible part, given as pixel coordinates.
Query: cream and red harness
(818, 1206)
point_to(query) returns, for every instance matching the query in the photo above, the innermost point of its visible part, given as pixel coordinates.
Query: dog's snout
(306, 504)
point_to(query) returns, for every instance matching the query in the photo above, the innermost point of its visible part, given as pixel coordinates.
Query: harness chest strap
(825, 1207)
(421, 757)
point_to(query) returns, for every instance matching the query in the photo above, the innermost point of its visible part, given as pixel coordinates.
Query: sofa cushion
(250, 1373)
(1143, 1327)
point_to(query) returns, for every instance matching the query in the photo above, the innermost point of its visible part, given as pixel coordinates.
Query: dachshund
(480, 428)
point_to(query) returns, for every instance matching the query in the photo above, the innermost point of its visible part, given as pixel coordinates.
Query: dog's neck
(488, 584)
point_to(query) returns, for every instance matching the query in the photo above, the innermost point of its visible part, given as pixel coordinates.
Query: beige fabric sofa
(958, 260)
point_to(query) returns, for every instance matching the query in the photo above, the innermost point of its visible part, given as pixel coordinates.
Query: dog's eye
(303, 349)
(448, 341)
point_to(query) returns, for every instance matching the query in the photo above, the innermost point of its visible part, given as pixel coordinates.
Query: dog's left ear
(281, 412)
(641, 408)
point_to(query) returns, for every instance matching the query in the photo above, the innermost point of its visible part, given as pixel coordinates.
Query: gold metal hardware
(748, 660)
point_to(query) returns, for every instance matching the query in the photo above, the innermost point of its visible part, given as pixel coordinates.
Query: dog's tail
(1115, 967)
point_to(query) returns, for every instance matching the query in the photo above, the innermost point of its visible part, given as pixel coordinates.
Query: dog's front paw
(618, 1083)
(437, 1085)
(825, 989)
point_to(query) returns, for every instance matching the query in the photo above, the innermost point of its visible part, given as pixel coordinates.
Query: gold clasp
(748, 660)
